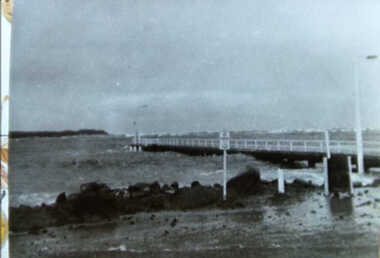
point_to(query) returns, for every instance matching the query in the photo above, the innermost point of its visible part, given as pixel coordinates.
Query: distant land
(23, 134)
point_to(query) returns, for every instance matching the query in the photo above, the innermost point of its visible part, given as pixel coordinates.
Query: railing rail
(289, 145)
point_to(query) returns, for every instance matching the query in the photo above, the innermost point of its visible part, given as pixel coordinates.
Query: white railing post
(291, 146)
(327, 142)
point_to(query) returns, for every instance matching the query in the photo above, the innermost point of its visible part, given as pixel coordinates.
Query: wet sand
(304, 225)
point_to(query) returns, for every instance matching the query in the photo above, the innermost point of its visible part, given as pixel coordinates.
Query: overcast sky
(185, 65)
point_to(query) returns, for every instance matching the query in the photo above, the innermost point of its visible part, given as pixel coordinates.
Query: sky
(193, 65)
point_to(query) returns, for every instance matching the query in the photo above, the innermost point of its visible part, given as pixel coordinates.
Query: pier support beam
(280, 181)
(326, 177)
(338, 174)
(349, 164)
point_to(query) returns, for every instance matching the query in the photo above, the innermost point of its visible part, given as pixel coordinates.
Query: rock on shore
(96, 201)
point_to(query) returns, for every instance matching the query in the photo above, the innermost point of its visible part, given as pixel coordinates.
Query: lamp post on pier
(358, 131)
(135, 126)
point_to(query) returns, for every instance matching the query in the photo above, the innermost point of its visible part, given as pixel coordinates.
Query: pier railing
(270, 145)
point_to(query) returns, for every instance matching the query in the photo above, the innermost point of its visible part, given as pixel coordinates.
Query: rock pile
(96, 201)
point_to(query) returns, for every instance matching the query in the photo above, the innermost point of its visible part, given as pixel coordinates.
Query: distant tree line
(22, 134)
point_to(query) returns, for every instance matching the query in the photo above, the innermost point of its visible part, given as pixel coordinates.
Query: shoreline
(97, 202)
